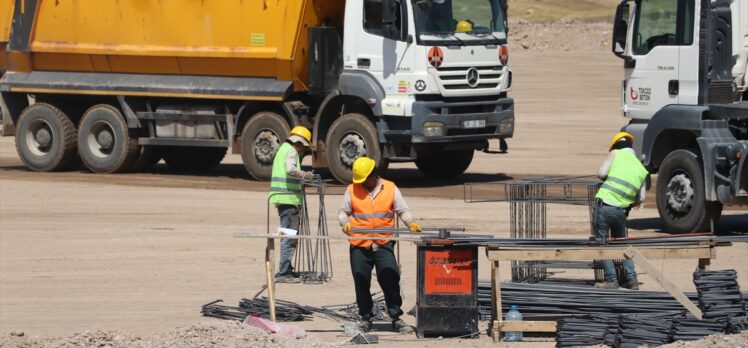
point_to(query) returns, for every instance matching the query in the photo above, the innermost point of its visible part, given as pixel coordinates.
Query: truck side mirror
(620, 27)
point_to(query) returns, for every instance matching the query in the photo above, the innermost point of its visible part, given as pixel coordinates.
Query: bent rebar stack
(313, 260)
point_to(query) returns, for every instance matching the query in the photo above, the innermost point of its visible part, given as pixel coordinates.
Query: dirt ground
(140, 253)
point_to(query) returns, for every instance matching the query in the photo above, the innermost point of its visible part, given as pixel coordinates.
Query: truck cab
(434, 74)
(684, 91)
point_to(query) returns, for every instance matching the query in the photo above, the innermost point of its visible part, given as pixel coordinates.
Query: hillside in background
(554, 10)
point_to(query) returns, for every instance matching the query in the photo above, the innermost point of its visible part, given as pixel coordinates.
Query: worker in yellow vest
(623, 188)
(373, 203)
(286, 194)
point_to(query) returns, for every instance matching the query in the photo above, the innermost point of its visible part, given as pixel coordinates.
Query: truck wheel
(261, 138)
(45, 139)
(680, 194)
(444, 165)
(193, 158)
(104, 141)
(351, 137)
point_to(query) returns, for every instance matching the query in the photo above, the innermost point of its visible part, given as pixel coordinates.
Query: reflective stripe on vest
(368, 214)
(625, 178)
(284, 189)
(373, 216)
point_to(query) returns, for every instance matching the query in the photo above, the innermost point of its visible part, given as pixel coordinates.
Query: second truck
(120, 85)
(686, 93)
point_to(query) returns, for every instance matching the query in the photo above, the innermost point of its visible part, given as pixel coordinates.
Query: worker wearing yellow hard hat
(372, 203)
(624, 186)
(286, 187)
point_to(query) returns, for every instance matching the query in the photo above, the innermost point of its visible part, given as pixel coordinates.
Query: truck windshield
(461, 21)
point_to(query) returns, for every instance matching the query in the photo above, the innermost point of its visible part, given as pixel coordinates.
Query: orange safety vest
(379, 213)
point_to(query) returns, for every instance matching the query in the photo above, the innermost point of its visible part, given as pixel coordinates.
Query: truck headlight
(506, 125)
(433, 129)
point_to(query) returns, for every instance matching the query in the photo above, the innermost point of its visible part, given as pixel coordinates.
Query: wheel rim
(352, 146)
(39, 138)
(680, 193)
(265, 145)
(101, 139)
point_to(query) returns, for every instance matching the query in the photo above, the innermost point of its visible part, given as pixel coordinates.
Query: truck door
(389, 60)
(659, 37)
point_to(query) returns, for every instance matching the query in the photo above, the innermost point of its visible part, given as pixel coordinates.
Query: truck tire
(350, 137)
(193, 158)
(104, 141)
(46, 139)
(680, 194)
(444, 165)
(261, 138)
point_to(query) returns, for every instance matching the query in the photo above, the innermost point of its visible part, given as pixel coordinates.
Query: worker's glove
(347, 228)
(309, 176)
(414, 227)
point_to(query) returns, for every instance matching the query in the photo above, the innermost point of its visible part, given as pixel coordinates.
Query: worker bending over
(623, 188)
(372, 202)
(286, 194)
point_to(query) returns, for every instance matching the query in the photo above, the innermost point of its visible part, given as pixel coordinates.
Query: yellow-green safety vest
(625, 179)
(283, 188)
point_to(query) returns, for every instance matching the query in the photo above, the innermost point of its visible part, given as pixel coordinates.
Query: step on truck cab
(120, 85)
(686, 94)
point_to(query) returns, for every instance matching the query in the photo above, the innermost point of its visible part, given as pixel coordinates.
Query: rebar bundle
(557, 301)
(313, 260)
(258, 306)
(719, 294)
(719, 297)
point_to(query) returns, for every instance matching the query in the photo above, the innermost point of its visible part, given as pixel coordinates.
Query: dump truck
(686, 94)
(119, 85)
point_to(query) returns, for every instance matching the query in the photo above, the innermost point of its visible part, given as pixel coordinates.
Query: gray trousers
(289, 218)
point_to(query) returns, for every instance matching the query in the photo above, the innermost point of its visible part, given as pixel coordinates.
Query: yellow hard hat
(300, 134)
(362, 167)
(618, 137)
(464, 27)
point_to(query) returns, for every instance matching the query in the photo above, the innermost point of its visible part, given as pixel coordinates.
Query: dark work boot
(400, 326)
(631, 284)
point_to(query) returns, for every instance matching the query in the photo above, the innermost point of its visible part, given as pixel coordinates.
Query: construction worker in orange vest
(372, 202)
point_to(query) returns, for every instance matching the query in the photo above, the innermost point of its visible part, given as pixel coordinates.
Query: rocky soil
(214, 334)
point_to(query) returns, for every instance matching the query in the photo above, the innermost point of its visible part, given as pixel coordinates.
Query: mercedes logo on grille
(472, 77)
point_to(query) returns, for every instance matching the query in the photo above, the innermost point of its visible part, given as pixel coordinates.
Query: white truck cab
(436, 75)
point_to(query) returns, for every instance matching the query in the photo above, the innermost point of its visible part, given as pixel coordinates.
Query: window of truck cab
(437, 21)
(373, 23)
(663, 23)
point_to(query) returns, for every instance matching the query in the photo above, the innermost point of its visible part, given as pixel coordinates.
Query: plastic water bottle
(513, 315)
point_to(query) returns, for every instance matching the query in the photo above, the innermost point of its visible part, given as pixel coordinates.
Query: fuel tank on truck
(241, 38)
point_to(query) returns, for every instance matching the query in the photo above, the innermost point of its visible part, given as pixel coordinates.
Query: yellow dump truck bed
(237, 38)
(6, 17)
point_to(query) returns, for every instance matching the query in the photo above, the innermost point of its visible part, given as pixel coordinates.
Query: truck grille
(456, 78)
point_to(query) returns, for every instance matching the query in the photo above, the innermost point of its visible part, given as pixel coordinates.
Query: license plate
(474, 124)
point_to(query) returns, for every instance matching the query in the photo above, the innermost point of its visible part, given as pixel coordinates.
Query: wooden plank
(641, 261)
(495, 301)
(597, 253)
(528, 326)
(269, 264)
